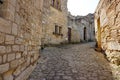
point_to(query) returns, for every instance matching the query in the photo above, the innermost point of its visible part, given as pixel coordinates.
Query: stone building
(82, 28)
(107, 29)
(54, 22)
(73, 31)
(20, 37)
(86, 27)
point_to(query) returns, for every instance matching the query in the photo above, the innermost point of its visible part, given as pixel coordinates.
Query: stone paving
(72, 62)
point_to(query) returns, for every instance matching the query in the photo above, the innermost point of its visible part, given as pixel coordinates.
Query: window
(56, 4)
(58, 30)
(93, 32)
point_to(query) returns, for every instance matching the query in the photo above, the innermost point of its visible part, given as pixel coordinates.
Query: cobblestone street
(72, 62)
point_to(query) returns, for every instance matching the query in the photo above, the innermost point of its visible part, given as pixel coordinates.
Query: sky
(82, 7)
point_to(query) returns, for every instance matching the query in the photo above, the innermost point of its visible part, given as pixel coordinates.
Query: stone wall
(20, 38)
(75, 33)
(107, 26)
(45, 21)
(83, 26)
(54, 17)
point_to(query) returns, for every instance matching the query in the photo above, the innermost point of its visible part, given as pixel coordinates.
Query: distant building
(54, 22)
(73, 31)
(82, 28)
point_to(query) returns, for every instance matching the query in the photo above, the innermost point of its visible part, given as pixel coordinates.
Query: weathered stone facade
(86, 26)
(82, 28)
(20, 37)
(107, 28)
(73, 31)
(54, 22)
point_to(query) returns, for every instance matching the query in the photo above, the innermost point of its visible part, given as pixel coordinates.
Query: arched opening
(84, 30)
(69, 35)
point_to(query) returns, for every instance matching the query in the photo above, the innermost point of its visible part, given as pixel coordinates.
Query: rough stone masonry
(54, 22)
(107, 27)
(20, 35)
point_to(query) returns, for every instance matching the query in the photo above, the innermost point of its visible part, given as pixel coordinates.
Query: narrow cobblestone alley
(72, 62)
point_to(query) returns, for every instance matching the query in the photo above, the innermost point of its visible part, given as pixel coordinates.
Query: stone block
(5, 26)
(17, 7)
(114, 57)
(118, 7)
(14, 64)
(17, 71)
(9, 39)
(8, 75)
(8, 49)
(15, 48)
(18, 55)
(21, 61)
(113, 46)
(18, 41)
(2, 49)
(22, 48)
(4, 58)
(17, 18)
(11, 57)
(4, 67)
(24, 75)
(13, 2)
(2, 38)
(117, 21)
(10, 12)
(28, 61)
(24, 66)
(113, 33)
(14, 29)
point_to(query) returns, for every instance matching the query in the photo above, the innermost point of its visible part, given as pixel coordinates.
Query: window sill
(56, 8)
(57, 34)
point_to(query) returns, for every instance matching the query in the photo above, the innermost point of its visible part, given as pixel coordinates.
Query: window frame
(58, 30)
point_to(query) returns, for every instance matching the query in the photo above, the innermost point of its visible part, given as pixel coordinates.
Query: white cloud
(82, 7)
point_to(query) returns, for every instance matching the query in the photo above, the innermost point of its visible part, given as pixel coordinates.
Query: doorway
(69, 34)
(84, 37)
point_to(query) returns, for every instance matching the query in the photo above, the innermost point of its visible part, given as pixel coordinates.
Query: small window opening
(56, 29)
(60, 30)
